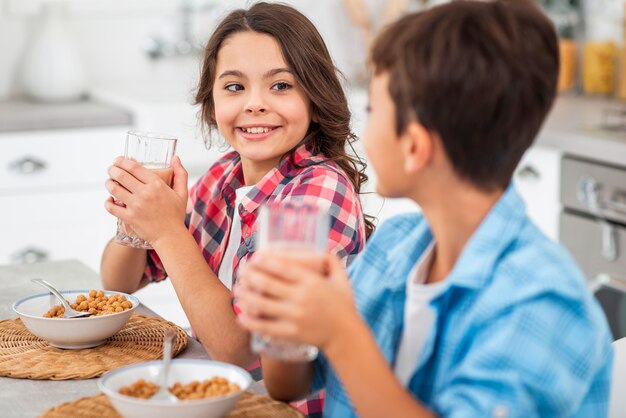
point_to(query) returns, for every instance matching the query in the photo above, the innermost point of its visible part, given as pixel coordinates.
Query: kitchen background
(76, 75)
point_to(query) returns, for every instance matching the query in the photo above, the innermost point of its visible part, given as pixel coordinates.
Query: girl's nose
(255, 103)
(255, 108)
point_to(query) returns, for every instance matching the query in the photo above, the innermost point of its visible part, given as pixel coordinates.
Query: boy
(465, 310)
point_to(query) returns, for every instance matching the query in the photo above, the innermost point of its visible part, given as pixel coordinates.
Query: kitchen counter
(29, 398)
(574, 127)
(24, 115)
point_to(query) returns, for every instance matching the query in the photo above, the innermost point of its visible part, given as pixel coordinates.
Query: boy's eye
(234, 87)
(368, 108)
(281, 86)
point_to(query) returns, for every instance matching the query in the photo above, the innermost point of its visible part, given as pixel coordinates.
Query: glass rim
(152, 135)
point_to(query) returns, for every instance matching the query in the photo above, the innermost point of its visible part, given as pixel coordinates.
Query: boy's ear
(418, 147)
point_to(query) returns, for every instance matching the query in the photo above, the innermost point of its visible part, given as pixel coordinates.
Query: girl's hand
(292, 299)
(144, 200)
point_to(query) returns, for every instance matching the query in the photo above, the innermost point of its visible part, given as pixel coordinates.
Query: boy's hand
(150, 205)
(291, 298)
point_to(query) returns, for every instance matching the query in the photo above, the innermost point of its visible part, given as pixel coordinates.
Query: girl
(269, 86)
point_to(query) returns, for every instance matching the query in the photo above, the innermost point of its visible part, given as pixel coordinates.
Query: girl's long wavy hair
(308, 58)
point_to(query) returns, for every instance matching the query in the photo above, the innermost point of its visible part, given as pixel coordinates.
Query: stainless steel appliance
(593, 228)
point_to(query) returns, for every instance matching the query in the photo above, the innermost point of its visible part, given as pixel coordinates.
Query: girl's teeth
(256, 130)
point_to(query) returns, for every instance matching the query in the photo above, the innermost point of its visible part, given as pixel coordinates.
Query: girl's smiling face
(260, 109)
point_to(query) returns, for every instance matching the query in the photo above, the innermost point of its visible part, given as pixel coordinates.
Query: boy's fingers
(270, 285)
(273, 328)
(288, 268)
(335, 267)
(260, 305)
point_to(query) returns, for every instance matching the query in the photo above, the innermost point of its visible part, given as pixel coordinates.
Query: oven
(593, 228)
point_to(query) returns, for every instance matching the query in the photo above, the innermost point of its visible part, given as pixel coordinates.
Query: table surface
(30, 398)
(28, 115)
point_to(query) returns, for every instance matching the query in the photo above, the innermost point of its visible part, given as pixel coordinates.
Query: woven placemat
(248, 406)
(22, 355)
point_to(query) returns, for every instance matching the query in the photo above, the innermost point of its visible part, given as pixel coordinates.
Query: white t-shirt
(419, 318)
(226, 267)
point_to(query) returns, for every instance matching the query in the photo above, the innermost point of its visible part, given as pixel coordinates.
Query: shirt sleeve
(334, 193)
(512, 365)
(320, 365)
(154, 271)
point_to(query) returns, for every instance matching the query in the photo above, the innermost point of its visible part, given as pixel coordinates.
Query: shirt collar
(232, 181)
(286, 169)
(494, 235)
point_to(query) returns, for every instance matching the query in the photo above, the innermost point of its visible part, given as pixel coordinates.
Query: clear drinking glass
(155, 152)
(299, 230)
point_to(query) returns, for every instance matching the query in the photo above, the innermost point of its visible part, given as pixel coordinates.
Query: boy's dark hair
(482, 75)
(308, 58)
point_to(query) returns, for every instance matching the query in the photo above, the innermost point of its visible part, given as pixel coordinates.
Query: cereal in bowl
(96, 302)
(216, 386)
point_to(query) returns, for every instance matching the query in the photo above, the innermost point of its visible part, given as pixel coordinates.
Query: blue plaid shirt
(517, 334)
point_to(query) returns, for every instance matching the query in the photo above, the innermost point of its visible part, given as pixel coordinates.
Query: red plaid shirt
(307, 177)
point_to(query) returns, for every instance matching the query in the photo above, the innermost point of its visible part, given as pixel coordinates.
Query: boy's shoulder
(393, 249)
(534, 264)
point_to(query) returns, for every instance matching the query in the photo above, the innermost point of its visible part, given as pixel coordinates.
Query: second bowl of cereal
(204, 388)
(41, 315)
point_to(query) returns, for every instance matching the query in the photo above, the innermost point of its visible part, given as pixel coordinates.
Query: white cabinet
(52, 194)
(537, 179)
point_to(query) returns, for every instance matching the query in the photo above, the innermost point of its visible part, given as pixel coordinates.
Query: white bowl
(70, 333)
(183, 371)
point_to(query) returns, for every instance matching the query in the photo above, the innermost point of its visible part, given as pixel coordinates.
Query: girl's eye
(281, 86)
(368, 108)
(234, 87)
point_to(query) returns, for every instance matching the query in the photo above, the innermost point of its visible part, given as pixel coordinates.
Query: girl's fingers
(118, 191)
(179, 183)
(124, 178)
(138, 171)
(113, 208)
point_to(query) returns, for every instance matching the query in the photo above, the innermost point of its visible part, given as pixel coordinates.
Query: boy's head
(480, 75)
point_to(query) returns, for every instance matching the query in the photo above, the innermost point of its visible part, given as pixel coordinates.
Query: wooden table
(29, 398)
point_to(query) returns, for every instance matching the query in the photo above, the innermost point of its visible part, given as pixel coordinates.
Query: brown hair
(482, 75)
(308, 58)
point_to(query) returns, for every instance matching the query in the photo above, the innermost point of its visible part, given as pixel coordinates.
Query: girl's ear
(314, 116)
(417, 147)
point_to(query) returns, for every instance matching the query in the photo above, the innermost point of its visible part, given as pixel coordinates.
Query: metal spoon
(69, 312)
(164, 394)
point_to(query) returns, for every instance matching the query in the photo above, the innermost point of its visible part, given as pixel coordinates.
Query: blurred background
(76, 75)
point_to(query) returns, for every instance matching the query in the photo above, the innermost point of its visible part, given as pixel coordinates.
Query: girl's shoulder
(224, 164)
(317, 167)
(324, 174)
(221, 171)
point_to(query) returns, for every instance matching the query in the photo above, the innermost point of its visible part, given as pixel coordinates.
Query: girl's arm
(157, 214)
(283, 298)
(205, 300)
(122, 267)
